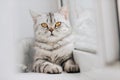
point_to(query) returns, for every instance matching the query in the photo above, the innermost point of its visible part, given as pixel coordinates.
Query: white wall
(23, 23)
(108, 39)
(110, 28)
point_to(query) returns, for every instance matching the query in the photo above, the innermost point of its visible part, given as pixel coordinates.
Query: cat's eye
(58, 24)
(44, 25)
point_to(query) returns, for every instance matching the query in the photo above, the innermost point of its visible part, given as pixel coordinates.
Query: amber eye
(58, 24)
(44, 25)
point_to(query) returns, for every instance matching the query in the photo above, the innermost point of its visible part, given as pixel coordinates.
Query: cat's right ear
(34, 16)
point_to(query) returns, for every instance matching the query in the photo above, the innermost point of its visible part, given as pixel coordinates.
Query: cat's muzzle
(51, 30)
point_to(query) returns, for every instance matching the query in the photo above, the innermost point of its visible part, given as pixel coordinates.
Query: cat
(53, 44)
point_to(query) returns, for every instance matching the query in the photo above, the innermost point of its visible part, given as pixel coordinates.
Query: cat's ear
(34, 15)
(64, 12)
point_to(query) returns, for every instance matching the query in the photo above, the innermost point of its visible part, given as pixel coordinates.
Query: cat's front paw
(46, 67)
(36, 67)
(53, 69)
(73, 68)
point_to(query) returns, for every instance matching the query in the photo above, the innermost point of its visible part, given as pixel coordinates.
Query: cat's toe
(55, 69)
(72, 69)
(36, 68)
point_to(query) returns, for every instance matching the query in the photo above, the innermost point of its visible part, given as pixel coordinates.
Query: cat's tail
(25, 54)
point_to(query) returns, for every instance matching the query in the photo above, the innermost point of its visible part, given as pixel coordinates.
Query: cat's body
(53, 45)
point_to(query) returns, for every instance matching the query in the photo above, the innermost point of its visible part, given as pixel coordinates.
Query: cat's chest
(54, 56)
(61, 49)
(51, 46)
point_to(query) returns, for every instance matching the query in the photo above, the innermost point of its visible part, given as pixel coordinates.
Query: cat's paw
(53, 69)
(36, 67)
(47, 67)
(72, 68)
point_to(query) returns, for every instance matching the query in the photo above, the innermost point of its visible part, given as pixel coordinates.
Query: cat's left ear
(34, 15)
(64, 11)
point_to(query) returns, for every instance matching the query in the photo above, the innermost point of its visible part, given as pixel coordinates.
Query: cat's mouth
(51, 34)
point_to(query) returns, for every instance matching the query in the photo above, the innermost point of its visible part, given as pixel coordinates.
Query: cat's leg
(70, 66)
(44, 66)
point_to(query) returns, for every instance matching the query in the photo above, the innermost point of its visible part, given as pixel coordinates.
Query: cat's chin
(50, 38)
(53, 38)
(52, 35)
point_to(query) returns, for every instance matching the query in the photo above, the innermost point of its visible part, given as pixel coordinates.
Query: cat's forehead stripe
(50, 17)
(50, 14)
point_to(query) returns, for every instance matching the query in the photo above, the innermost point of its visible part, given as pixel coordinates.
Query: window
(83, 20)
(95, 27)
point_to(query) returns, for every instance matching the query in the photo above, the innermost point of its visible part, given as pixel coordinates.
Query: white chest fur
(61, 48)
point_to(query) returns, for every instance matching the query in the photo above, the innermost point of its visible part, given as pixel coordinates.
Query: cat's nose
(51, 29)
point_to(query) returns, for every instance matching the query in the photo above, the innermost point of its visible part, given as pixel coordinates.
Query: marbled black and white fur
(53, 45)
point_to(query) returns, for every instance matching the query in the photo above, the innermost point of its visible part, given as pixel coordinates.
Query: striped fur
(53, 50)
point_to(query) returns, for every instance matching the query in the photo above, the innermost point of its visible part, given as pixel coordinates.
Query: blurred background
(96, 31)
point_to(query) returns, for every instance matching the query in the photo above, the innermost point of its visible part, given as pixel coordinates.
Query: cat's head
(50, 27)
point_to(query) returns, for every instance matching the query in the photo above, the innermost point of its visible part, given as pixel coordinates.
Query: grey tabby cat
(53, 44)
